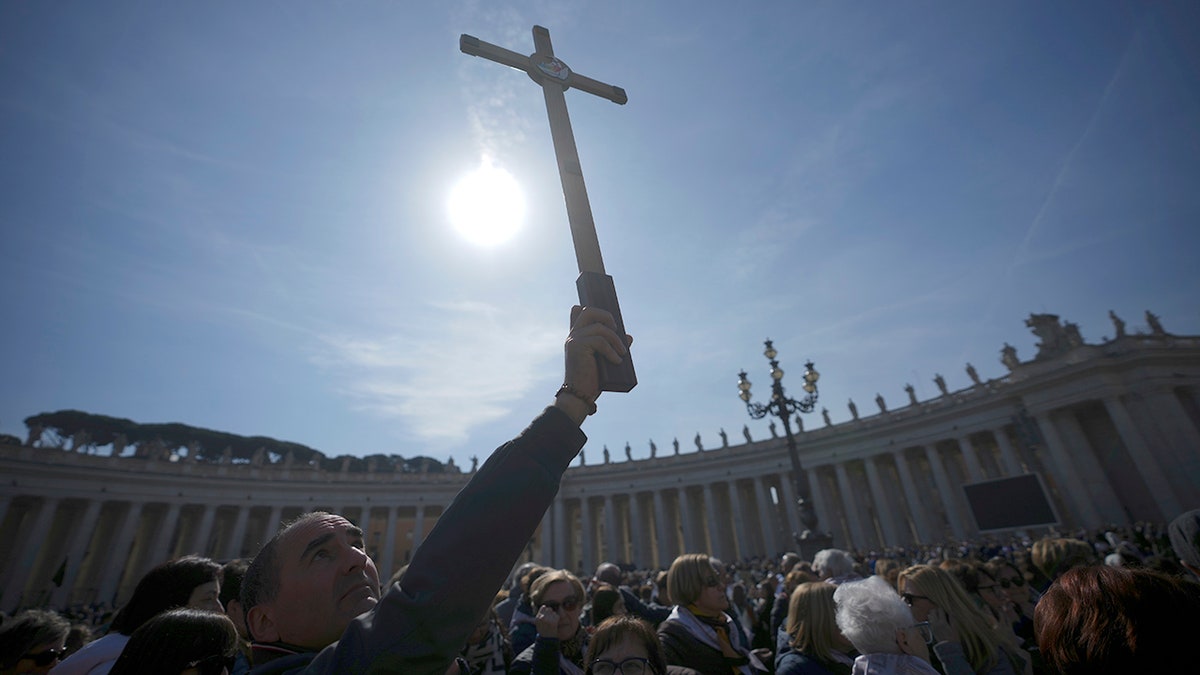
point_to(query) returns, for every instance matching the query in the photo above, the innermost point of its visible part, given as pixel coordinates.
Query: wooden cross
(594, 285)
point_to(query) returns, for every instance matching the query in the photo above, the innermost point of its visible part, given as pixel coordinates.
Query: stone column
(1073, 491)
(817, 495)
(76, 548)
(741, 547)
(273, 522)
(234, 547)
(888, 517)
(766, 521)
(117, 559)
(716, 533)
(418, 527)
(948, 493)
(29, 544)
(560, 535)
(857, 532)
(1143, 458)
(1012, 466)
(637, 527)
(685, 517)
(389, 544)
(159, 551)
(587, 538)
(364, 521)
(970, 459)
(788, 494)
(661, 529)
(1088, 469)
(1181, 433)
(920, 515)
(204, 531)
(610, 531)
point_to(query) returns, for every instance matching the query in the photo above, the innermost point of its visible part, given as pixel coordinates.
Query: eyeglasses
(713, 582)
(569, 604)
(631, 666)
(1015, 582)
(909, 597)
(45, 658)
(986, 588)
(926, 631)
(213, 665)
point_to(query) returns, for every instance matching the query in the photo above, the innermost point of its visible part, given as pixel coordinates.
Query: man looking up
(305, 588)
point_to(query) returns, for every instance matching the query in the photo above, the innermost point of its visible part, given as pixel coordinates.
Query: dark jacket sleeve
(541, 658)
(655, 614)
(421, 626)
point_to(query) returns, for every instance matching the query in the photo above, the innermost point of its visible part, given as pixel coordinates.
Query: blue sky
(233, 215)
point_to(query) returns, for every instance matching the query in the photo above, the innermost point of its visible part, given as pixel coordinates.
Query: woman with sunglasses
(1012, 584)
(926, 588)
(698, 634)
(625, 645)
(557, 600)
(32, 642)
(181, 641)
(889, 639)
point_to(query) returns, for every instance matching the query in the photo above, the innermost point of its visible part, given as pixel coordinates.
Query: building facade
(1112, 430)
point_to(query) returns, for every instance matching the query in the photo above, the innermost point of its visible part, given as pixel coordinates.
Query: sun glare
(486, 206)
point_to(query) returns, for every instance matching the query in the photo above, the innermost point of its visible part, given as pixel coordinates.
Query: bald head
(609, 574)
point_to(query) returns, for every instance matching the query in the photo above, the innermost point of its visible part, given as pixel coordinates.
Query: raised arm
(422, 623)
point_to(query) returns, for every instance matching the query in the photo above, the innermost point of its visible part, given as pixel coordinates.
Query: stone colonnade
(64, 550)
(1113, 433)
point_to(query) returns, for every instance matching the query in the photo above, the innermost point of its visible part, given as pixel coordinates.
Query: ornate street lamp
(810, 540)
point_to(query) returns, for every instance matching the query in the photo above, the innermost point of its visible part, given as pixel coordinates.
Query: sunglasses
(909, 597)
(926, 631)
(214, 665)
(713, 582)
(568, 604)
(45, 658)
(630, 666)
(1015, 582)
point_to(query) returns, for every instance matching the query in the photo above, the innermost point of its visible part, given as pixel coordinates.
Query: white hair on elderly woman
(869, 613)
(833, 562)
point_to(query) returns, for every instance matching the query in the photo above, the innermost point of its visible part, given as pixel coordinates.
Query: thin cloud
(464, 356)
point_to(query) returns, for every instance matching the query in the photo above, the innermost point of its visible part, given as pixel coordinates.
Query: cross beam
(595, 287)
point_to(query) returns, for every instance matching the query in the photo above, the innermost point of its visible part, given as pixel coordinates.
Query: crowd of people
(1086, 604)
(311, 600)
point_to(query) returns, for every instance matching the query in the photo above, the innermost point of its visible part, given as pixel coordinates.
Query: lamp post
(810, 540)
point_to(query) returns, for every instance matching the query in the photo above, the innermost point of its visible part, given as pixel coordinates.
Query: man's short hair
(609, 573)
(232, 573)
(260, 584)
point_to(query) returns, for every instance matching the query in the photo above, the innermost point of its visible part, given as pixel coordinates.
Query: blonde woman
(935, 596)
(699, 634)
(817, 646)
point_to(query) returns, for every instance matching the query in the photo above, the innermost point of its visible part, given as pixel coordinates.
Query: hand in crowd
(546, 622)
(943, 631)
(593, 334)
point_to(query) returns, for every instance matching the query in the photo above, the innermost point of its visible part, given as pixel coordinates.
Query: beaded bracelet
(568, 389)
